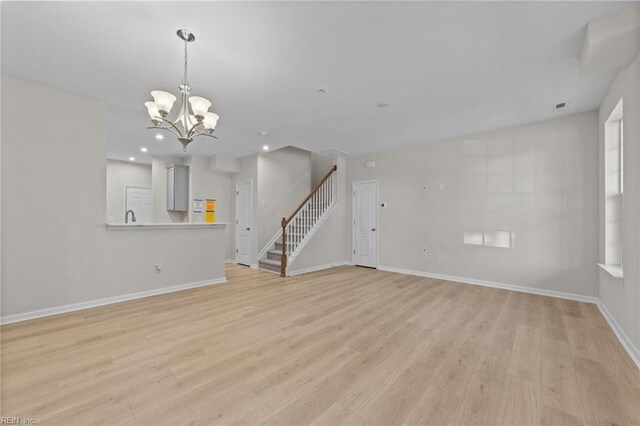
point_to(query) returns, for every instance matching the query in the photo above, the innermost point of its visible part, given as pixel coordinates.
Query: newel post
(283, 259)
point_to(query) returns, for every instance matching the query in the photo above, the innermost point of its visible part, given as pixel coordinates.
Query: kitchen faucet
(126, 216)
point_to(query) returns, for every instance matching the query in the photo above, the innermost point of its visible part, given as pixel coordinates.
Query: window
(614, 186)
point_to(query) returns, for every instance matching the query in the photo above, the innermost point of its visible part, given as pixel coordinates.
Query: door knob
(373, 229)
(248, 229)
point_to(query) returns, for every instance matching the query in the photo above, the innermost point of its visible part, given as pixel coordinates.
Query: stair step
(271, 262)
(270, 265)
(274, 255)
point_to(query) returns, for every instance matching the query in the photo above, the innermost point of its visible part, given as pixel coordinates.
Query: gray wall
(281, 179)
(285, 180)
(622, 298)
(206, 183)
(320, 165)
(120, 174)
(539, 181)
(331, 244)
(56, 249)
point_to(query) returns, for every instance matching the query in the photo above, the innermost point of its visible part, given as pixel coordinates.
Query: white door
(365, 224)
(243, 223)
(140, 201)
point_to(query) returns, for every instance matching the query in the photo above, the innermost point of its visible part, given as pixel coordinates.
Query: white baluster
(307, 219)
(324, 195)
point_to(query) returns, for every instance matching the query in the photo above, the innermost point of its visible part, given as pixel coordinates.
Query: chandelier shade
(163, 100)
(196, 121)
(152, 109)
(199, 106)
(210, 120)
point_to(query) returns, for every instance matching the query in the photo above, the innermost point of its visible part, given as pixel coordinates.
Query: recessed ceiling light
(265, 147)
(264, 133)
(383, 105)
(159, 136)
(143, 149)
(132, 158)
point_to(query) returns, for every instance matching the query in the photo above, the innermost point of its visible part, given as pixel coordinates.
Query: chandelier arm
(168, 129)
(194, 129)
(179, 133)
(206, 134)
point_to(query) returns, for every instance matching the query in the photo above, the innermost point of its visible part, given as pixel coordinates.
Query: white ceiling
(446, 69)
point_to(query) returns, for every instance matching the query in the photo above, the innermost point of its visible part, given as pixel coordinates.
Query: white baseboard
(230, 261)
(106, 301)
(620, 334)
(513, 287)
(318, 268)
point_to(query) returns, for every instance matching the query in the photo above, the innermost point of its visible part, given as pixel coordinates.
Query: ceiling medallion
(189, 124)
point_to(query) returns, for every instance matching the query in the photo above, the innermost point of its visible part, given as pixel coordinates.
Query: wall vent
(560, 106)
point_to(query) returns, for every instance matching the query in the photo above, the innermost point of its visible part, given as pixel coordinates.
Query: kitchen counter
(177, 225)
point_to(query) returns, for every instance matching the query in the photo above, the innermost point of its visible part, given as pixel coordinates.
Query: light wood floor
(343, 346)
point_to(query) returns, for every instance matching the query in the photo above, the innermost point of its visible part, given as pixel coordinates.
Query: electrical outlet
(424, 249)
(158, 267)
(424, 256)
(441, 257)
(425, 188)
(441, 187)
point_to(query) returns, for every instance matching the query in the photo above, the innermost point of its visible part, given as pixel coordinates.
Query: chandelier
(198, 122)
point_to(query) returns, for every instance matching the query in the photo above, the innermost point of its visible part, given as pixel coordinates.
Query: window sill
(614, 270)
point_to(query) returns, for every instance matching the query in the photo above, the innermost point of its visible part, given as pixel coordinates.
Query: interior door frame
(125, 186)
(353, 219)
(250, 182)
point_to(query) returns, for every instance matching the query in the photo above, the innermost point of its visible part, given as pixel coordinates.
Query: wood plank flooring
(344, 346)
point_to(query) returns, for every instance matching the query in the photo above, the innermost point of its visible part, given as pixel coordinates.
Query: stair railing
(303, 218)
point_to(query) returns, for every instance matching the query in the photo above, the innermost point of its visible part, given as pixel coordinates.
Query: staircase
(298, 229)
